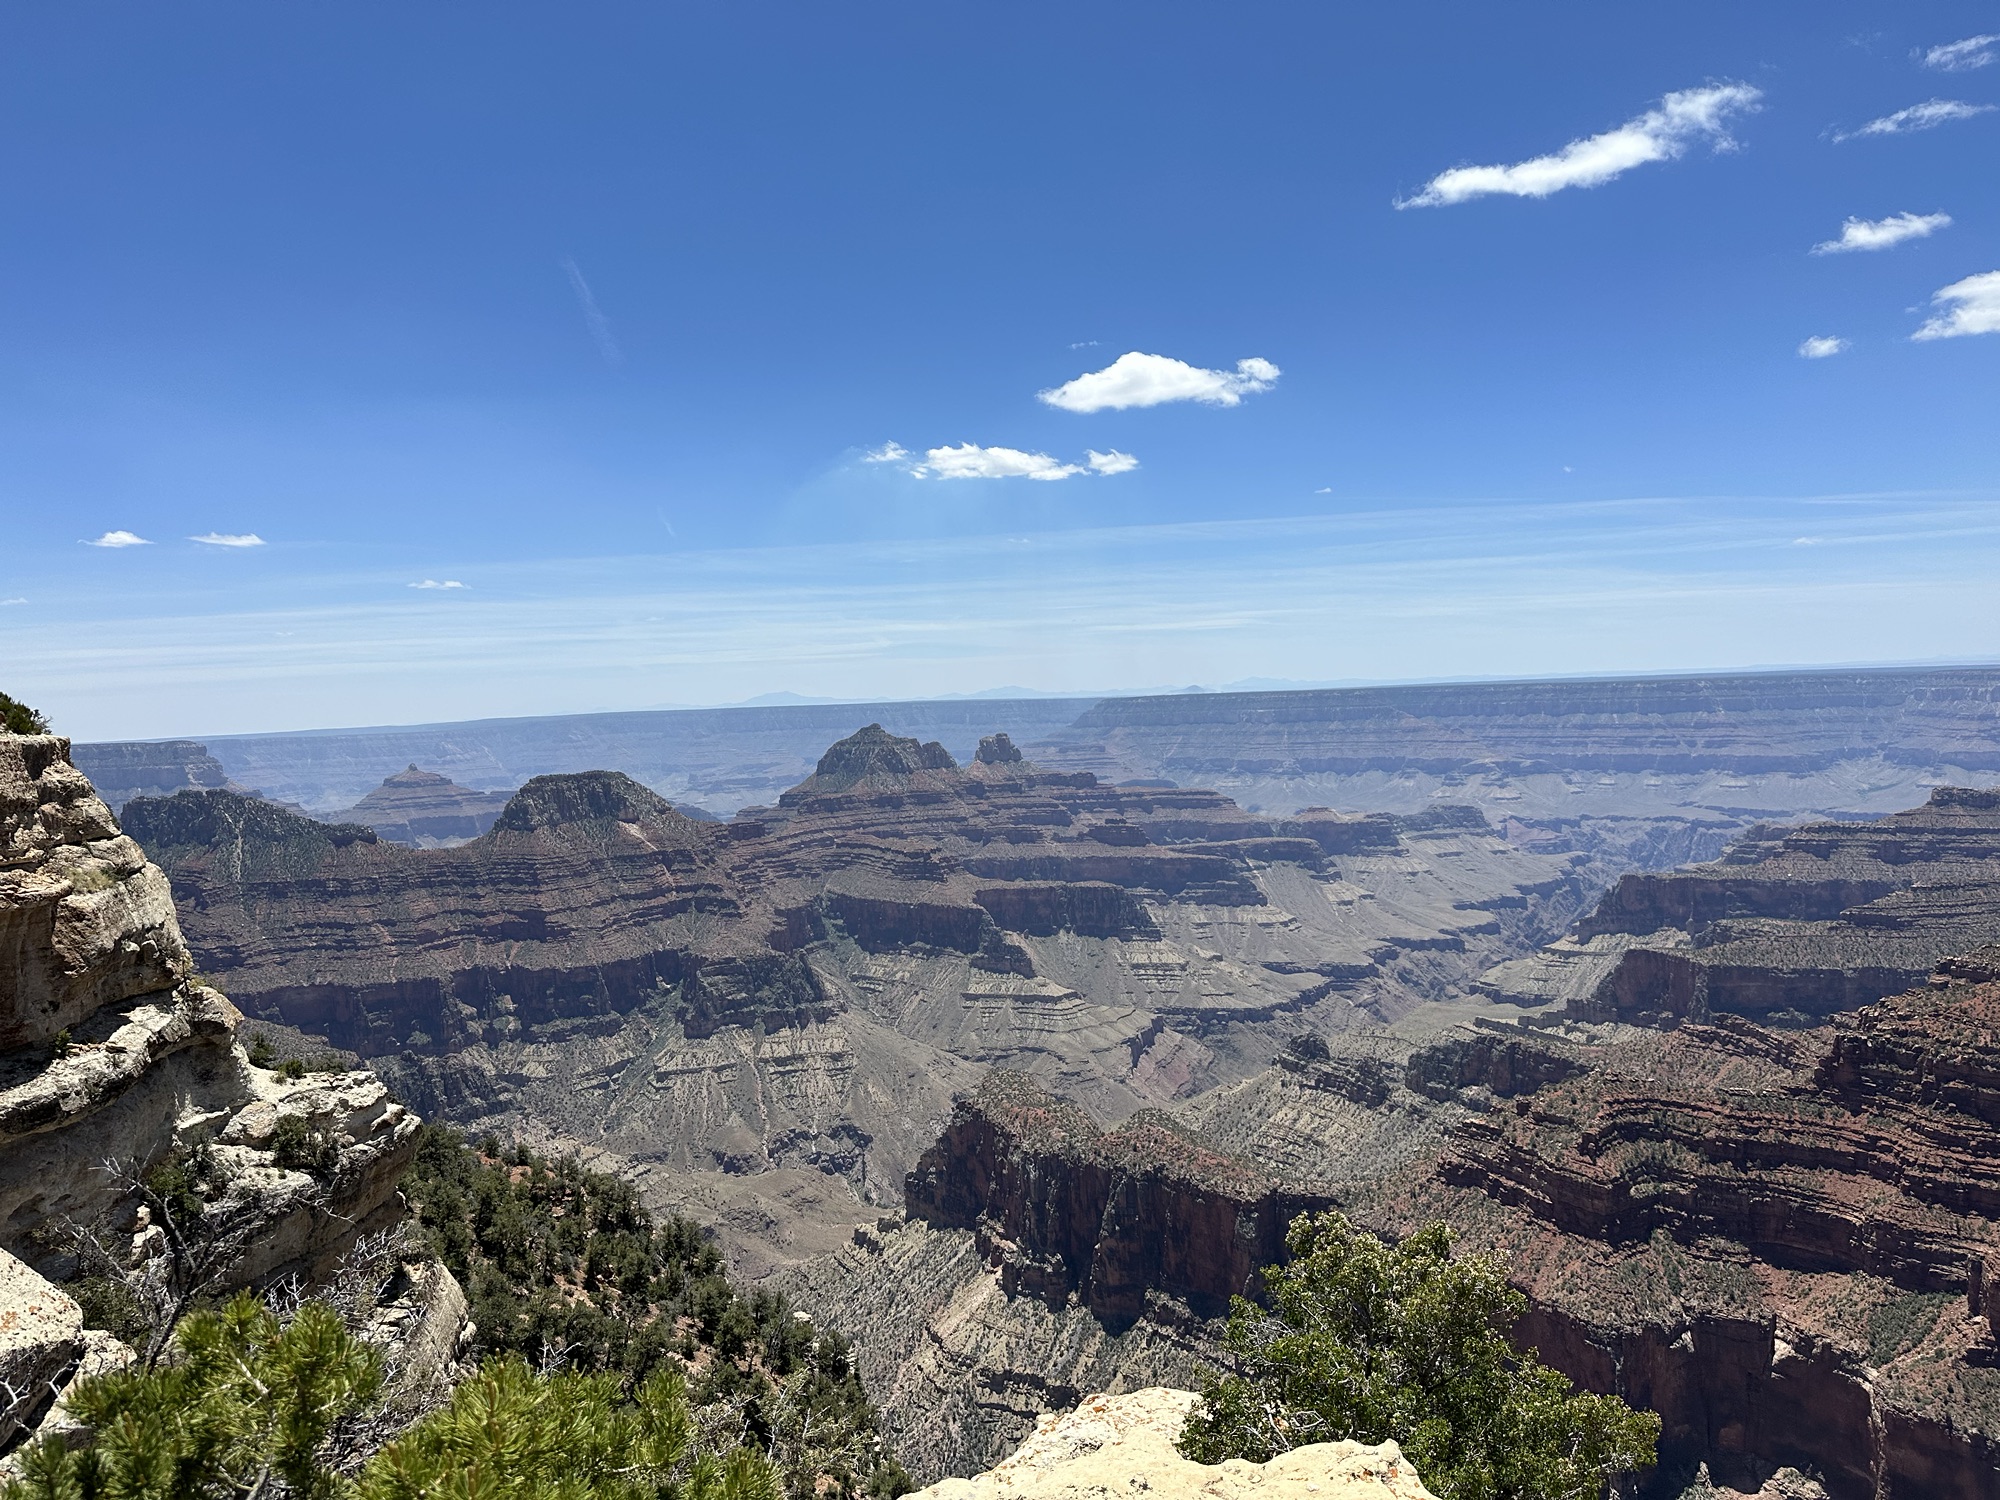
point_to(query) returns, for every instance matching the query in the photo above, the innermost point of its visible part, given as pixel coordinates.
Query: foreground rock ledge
(1124, 1445)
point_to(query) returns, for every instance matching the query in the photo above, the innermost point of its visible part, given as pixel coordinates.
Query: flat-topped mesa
(110, 1050)
(424, 809)
(1108, 1218)
(156, 768)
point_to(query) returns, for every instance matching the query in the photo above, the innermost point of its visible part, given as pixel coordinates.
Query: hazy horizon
(376, 365)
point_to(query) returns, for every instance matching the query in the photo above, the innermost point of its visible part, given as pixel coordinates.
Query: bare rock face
(41, 1338)
(425, 810)
(1121, 1445)
(111, 1051)
(1069, 1211)
(154, 768)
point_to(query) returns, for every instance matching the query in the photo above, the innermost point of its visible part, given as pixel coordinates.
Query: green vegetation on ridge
(17, 718)
(1375, 1342)
(565, 1266)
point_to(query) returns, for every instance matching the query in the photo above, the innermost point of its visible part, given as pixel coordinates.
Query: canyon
(1014, 1072)
(769, 1018)
(1782, 1237)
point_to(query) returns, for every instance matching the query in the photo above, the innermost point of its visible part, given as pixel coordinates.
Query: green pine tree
(17, 718)
(1372, 1341)
(243, 1410)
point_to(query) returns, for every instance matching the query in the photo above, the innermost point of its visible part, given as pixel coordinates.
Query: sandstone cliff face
(1067, 1211)
(1786, 1242)
(112, 1051)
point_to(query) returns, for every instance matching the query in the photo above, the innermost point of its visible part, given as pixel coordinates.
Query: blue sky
(679, 337)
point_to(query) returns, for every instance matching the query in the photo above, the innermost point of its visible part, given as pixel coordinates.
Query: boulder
(1123, 1445)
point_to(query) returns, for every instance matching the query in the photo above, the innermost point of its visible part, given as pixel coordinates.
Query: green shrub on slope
(1371, 1341)
(245, 1407)
(565, 1266)
(17, 718)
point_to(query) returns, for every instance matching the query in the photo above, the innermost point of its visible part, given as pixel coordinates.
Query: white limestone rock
(1124, 1445)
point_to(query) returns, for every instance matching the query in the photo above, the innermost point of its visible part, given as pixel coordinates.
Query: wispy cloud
(1662, 133)
(1880, 234)
(971, 461)
(228, 539)
(1971, 306)
(1961, 57)
(1823, 346)
(440, 583)
(5, 602)
(1137, 379)
(1926, 116)
(593, 316)
(118, 539)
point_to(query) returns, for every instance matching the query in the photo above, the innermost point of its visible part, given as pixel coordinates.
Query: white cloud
(1137, 379)
(118, 539)
(1974, 305)
(1880, 234)
(435, 583)
(1926, 116)
(1823, 346)
(970, 461)
(5, 602)
(1962, 57)
(228, 539)
(1660, 134)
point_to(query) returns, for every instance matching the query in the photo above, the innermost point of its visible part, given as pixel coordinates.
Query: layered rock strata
(1782, 1242)
(1790, 927)
(113, 1054)
(805, 987)
(1730, 746)
(424, 810)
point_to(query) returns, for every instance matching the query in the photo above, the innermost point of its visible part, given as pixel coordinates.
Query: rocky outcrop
(1124, 1444)
(425, 810)
(111, 1052)
(1067, 1210)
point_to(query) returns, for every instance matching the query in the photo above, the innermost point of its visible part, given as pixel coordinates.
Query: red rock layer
(1782, 1243)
